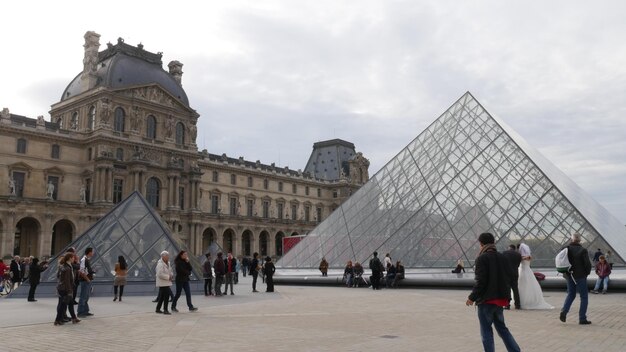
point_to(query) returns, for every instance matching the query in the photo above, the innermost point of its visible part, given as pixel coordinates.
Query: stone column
(45, 236)
(176, 195)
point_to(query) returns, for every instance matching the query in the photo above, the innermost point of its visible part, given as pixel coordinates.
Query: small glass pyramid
(132, 229)
(467, 173)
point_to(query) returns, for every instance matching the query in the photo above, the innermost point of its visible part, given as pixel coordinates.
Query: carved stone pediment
(155, 94)
(54, 171)
(21, 166)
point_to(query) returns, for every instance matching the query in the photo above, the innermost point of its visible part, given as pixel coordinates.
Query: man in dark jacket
(183, 272)
(34, 277)
(230, 267)
(377, 271)
(514, 258)
(577, 279)
(492, 292)
(254, 265)
(219, 268)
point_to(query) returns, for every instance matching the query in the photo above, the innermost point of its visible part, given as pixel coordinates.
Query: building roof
(330, 158)
(123, 65)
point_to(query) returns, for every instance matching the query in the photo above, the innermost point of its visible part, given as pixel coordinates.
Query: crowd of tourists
(385, 274)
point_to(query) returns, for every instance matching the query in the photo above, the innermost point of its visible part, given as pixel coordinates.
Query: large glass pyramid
(465, 174)
(132, 229)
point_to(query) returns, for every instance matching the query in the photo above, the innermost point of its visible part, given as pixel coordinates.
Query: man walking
(577, 279)
(492, 292)
(514, 259)
(85, 276)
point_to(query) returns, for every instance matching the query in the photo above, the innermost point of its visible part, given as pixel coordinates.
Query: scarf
(487, 247)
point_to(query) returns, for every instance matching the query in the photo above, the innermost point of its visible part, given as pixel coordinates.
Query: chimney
(90, 61)
(176, 70)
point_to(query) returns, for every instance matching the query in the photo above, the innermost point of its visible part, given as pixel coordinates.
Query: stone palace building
(125, 124)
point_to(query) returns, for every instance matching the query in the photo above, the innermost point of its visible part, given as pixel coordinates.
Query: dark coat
(493, 277)
(253, 266)
(269, 269)
(349, 270)
(15, 270)
(219, 267)
(183, 270)
(579, 259)
(65, 277)
(233, 265)
(35, 273)
(206, 269)
(515, 259)
(376, 266)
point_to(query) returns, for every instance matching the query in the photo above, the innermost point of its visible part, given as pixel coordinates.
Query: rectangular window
(335, 194)
(319, 192)
(266, 209)
(294, 188)
(118, 190)
(215, 204)
(281, 207)
(18, 179)
(307, 213)
(88, 153)
(250, 207)
(233, 179)
(280, 186)
(249, 181)
(181, 198)
(55, 153)
(21, 146)
(306, 190)
(294, 212)
(53, 185)
(319, 214)
(215, 176)
(233, 206)
(266, 184)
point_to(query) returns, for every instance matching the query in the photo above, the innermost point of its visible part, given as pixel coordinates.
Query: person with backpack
(577, 279)
(377, 271)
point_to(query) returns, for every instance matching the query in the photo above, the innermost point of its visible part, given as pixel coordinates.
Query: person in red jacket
(603, 270)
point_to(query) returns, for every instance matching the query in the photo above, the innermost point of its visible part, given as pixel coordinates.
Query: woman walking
(164, 278)
(121, 270)
(65, 284)
(183, 271)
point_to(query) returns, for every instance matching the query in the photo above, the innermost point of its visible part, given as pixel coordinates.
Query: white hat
(164, 253)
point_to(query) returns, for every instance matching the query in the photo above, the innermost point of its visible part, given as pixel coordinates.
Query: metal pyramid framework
(465, 174)
(132, 229)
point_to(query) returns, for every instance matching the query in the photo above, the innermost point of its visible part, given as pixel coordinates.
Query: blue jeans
(179, 287)
(602, 281)
(83, 301)
(489, 314)
(580, 286)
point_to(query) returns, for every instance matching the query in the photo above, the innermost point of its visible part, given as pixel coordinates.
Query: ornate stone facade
(107, 139)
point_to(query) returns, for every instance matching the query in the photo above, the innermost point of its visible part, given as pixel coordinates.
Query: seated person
(391, 275)
(348, 274)
(358, 273)
(459, 267)
(399, 273)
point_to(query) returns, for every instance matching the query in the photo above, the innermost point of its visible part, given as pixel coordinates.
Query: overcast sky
(270, 78)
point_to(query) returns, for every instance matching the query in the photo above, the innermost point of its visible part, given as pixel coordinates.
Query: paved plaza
(305, 318)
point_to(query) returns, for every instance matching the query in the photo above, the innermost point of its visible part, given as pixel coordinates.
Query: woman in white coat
(530, 293)
(164, 276)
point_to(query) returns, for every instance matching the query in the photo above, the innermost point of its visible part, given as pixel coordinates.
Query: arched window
(74, 121)
(120, 117)
(180, 133)
(119, 154)
(151, 126)
(91, 118)
(153, 189)
(60, 123)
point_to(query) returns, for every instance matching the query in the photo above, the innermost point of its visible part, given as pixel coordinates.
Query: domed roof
(124, 65)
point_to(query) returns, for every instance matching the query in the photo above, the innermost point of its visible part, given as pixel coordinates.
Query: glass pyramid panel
(466, 173)
(132, 229)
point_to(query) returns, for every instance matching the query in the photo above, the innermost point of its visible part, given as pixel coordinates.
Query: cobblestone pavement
(309, 319)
